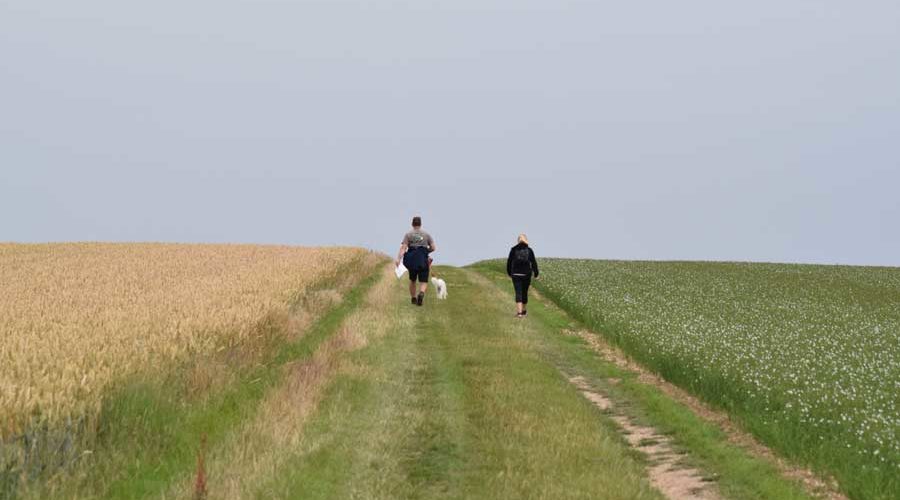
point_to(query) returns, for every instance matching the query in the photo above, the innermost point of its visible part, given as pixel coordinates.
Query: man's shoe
(420, 298)
(524, 313)
(413, 300)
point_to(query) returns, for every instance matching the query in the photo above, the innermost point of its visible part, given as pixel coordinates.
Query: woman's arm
(534, 266)
(509, 261)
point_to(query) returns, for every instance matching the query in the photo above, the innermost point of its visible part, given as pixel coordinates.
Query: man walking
(414, 250)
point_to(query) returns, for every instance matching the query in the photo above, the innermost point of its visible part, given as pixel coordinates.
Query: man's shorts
(416, 260)
(420, 274)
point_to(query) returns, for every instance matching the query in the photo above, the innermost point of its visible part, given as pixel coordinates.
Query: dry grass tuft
(200, 481)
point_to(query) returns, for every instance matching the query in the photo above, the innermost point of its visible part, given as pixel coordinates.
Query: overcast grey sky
(703, 130)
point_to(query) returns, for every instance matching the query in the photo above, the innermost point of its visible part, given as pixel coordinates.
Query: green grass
(738, 474)
(457, 401)
(149, 433)
(805, 357)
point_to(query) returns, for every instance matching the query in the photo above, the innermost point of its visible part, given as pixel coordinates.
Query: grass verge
(739, 474)
(150, 428)
(804, 357)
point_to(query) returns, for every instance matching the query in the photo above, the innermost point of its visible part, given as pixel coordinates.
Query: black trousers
(521, 284)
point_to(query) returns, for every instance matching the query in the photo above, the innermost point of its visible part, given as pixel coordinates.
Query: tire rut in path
(665, 470)
(813, 483)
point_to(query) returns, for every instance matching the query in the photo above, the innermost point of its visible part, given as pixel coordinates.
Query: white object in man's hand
(400, 270)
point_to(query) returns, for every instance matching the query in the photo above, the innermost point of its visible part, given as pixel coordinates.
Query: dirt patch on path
(666, 471)
(815, 485)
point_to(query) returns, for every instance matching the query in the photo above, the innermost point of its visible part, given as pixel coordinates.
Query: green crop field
(806, 357)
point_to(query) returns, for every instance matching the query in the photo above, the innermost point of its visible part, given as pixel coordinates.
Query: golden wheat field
(75, 317)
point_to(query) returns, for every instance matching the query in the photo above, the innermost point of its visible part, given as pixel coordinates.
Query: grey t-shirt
(417, 238)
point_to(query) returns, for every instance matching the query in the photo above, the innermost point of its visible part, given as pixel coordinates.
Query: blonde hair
(523, 238)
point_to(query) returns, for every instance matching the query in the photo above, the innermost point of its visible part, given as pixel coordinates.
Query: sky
(691, 130)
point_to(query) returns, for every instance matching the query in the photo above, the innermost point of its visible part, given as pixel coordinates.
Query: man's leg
(412, 285)
(423, 285)
(423, 280)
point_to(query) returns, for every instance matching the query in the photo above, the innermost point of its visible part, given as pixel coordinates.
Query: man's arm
(400, 253)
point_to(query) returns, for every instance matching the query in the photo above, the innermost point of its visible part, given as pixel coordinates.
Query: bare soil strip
(814, 484)
(665, 469)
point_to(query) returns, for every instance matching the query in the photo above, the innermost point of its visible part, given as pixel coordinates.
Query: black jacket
(516, 266)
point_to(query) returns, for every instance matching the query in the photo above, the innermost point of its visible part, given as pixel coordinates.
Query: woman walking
(520, 266)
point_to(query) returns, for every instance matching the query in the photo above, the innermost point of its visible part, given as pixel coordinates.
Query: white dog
(440, 287)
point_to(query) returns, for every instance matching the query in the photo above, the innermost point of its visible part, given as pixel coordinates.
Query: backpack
(522, 257)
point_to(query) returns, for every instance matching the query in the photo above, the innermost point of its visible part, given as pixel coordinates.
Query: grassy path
(458, 399)
(452, 401)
